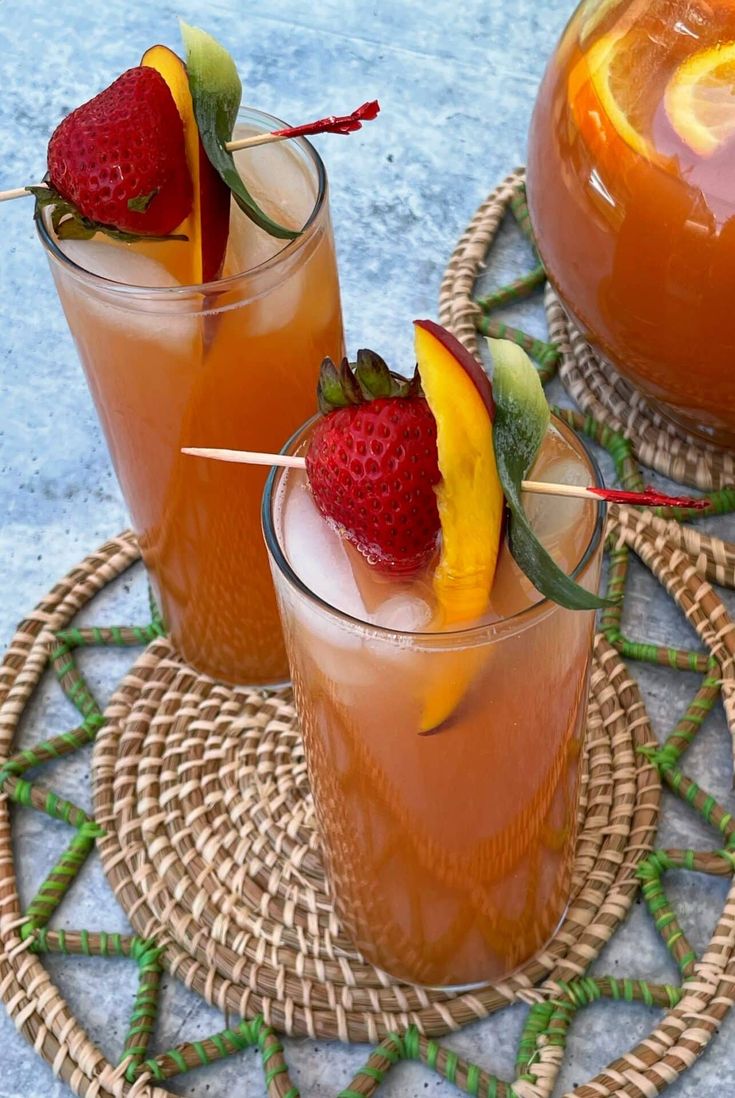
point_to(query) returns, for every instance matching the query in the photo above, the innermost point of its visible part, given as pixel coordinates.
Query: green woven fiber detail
(349, 1093)
(144, 1024)
(271, 1074)
(472, 1085)
(519, 209)
(41, 945)
(432, 1052)
(391, 1048)
(720, 502)
(219, 1044)
(153, 1068)
(56, 884)
(686, 963)
(293, 1092)
(65, 667)
(271, 1050)
(200, 1051)
(411, 1043)
(21, 794)
(513, 291)
(157, 621)
(450, 1067)
(255, 1032)
(174, 1055)
(372, 1073)
(537, 1021)
(545, 353)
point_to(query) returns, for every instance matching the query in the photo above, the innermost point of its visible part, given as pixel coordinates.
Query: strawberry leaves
(369, 378)
(216, 92)
(521, 420)
(69, 224)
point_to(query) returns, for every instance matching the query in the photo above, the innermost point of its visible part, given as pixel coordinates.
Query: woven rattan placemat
(204, 824)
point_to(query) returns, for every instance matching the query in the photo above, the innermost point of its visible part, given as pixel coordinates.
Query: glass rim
(217, 285)
(513, 624)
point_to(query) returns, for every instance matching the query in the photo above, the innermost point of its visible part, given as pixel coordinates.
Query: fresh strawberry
(120, 158)
(372, 463)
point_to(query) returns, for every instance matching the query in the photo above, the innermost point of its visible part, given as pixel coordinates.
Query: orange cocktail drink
(171, 364)
(630, 184)
(449, 853)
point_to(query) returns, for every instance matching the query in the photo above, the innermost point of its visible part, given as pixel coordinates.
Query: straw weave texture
(204, 822)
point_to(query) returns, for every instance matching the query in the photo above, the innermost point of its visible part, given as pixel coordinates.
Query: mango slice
(208, 223)
(469, 496)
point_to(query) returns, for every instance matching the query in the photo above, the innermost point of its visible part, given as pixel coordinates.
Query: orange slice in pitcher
(618, 68)
(700, 99)
(593, 14)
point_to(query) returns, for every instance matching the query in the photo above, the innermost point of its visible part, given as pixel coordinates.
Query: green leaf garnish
(216, 92)
(69, 224)
(521, 419)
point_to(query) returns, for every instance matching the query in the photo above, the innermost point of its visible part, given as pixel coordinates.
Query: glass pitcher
(631, 185)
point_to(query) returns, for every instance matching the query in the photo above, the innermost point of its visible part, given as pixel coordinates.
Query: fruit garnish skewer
(649, 497)
(334, 123)
(150, 158)
(393, 462)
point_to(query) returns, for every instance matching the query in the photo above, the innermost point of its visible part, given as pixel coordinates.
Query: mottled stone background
(456, 83)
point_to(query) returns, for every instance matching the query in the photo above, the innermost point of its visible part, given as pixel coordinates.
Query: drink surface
(631, 172)
(449, 854)
(234, 367)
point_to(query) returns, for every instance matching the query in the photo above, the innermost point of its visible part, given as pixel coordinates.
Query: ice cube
(169, 328)
(247, 245)
(317, 554)
(278, 296)
(552, 516)
(117, 262)
(278, 178)
(403, 613)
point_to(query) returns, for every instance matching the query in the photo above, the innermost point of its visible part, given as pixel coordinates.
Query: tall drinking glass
(450, 854)
(230, 363)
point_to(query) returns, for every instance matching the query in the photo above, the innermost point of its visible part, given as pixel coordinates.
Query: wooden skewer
(232, 146)
(347, 123)
(648, 498)
(18, 192)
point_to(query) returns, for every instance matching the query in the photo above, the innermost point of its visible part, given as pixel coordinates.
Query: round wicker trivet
(209, 844)
(204, 823)
(595, 386)
(211, 848)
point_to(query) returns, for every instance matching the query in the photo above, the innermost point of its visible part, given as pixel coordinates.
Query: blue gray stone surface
(456, 83)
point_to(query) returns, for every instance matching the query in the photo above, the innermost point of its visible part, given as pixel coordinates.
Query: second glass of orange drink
(443, 722)
(175, 354)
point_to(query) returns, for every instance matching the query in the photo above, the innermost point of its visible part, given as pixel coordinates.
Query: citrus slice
(700, 99)
(593, 14)
(618, 66)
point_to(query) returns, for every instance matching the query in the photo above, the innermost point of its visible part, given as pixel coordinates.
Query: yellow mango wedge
(469, 497)
(206, 227)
